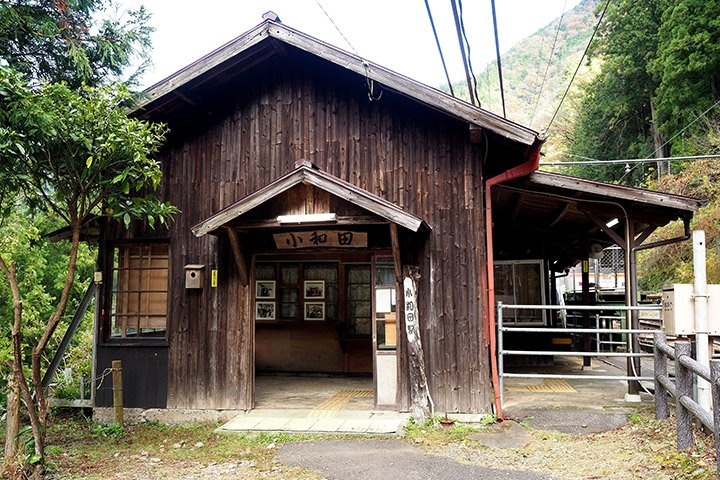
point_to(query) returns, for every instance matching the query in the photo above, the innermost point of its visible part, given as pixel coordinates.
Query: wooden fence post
(117, 391)
(661, 400)
(715, 389)
(683, 382)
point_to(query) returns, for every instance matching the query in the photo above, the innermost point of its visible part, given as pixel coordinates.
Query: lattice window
(140, 290)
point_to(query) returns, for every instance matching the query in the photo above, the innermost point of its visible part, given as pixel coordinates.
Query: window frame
(114, 292)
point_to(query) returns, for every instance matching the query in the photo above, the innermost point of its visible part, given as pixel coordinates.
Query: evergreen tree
(616, 118)
(687, 68)
(73, 41)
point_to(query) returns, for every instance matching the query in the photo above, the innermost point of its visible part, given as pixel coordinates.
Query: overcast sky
(393, 33)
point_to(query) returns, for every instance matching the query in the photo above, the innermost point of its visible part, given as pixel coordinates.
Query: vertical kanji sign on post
(422, 404)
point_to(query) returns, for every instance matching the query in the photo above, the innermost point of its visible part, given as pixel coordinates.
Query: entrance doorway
(313, 317)
(313, 392)
(315, 321)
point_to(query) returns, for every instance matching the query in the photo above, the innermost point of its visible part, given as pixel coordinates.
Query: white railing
(504, 329)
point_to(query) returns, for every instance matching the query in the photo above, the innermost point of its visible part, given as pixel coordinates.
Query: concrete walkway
(316, 421)
(387, 459)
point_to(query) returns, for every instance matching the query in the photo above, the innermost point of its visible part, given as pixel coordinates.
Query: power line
(337, 28)
(594, 161)
(687, 126)
(673, 138)
(469, 53)
(462, 51)
(372, 94)
(587, 47)
(497, 54)
(437, 41)
(547, 67)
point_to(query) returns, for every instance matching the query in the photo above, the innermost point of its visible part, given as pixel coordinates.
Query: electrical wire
(337, 28)
(467, 45)
(462, 51)
(594, 161)
(372, 94)
(497, 54)
(437, 42)
(547, 66)
(672, 138)
(587, 48)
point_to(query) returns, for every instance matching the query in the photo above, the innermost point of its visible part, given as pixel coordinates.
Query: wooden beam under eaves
(518, 206)
(609, 231)
(644, 235)
(395, 241)
(561, 212)
(238, 254)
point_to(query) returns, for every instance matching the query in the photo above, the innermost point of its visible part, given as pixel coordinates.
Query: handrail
(581, 307)
(502, 352)
(685, 406)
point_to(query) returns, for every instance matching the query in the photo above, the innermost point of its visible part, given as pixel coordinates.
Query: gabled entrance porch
(321, 261)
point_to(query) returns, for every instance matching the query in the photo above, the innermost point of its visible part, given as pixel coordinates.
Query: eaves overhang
(305, 173)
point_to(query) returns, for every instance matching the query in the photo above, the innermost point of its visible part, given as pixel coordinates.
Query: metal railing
(600, 337)
(503, 329)
(686, 368)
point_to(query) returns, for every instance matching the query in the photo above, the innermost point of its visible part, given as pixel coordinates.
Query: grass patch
(434, 432)
(644, 448)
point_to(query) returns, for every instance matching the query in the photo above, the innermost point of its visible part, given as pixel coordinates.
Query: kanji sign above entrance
(319, 239)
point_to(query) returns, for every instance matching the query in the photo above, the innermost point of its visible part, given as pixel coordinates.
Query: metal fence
(686, 370)
(627, 333)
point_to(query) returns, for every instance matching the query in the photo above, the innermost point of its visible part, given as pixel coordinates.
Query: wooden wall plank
(410, 155)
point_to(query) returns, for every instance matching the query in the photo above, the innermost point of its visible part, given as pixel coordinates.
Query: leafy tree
(701, 179)
(659, 78)
(617, 117)
(687, 65)
(77, 155)
(44, 268)
(612, 124)
(72, 41)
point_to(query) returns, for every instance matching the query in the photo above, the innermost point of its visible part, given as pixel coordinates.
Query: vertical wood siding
(412, 156)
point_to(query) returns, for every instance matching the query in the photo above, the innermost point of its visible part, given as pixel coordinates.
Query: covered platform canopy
(565, 219)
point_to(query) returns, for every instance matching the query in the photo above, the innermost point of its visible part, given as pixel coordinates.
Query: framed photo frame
(264, 310)
(314, 289)
(265, 289)
(314, 311)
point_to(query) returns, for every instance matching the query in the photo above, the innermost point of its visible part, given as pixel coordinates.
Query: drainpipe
(519, 171)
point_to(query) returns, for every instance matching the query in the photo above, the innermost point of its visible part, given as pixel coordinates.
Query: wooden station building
(309, 180)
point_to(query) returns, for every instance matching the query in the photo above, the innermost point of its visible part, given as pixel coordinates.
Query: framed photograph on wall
(314, 289)
(265, 289)
(264, 310)
(314, 311)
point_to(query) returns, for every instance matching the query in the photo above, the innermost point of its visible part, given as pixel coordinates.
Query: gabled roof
(305, 173)
(258, 44)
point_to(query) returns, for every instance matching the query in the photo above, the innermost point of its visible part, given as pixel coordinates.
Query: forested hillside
(657, 95)
(650, 88)
(537, 70)
(657, 91)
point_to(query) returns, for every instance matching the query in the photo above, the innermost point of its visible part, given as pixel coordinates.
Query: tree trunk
(12, 420)
(43, 407)
(10, 272)
(659, 148)
(422, 404)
